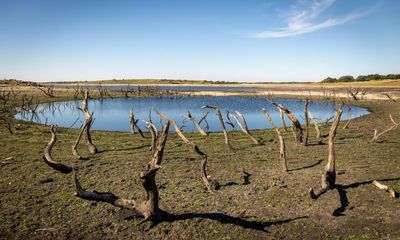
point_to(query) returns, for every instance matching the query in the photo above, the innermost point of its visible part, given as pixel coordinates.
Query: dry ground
(256, 199)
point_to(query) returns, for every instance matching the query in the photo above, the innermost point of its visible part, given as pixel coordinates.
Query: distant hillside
(148, 81)
(361, 78)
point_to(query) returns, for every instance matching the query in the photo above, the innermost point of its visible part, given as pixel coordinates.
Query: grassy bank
(256, 199)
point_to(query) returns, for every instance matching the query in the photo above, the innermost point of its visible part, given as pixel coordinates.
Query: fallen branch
(391, 191)
(378, 135)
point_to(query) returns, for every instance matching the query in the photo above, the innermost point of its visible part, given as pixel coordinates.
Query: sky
(233, 40)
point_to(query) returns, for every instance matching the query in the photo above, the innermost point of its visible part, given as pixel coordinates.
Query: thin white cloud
(303, 20)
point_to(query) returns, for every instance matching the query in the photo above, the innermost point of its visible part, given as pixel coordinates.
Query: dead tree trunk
(88, 138)
(318, 136)
(329, 177)
(134, 124)
(282, 149)
(221, 120)
(75, 146)
(348, 121)
(378, 135)
(305, 138)
(153, 131)
(196, 124)
(204, 118)
(210, 185)
(149, 208)
(282, 119)
(48, 159)
(296, 126)
(244, 127)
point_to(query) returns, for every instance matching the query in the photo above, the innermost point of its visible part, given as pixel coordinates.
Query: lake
(113, 114)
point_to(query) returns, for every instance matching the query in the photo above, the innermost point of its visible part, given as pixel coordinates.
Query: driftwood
(244, 127)
(282, 149)
(149, 208)
(306, 119)
(88, 138)
(318, 136)
(196, 124)
(378, 135)
(328, 180)
(75, 146)
(210, 185)
(133, 124)
(221, 120)
(391, 191)
(48, 159)
(296, 126)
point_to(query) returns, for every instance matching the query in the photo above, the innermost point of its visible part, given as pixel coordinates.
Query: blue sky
(235, 40)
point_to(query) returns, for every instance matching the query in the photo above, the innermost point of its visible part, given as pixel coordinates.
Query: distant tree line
(361, 78)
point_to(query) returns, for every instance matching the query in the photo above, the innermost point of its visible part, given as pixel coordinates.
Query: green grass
(273, 199)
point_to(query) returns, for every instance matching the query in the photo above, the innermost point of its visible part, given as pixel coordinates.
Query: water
(113, 114)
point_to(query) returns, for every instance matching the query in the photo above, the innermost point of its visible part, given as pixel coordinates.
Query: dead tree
(88, 138)
(244, 127)
(78, 139)
(389, 96)
(328, 180)
(48, 159)
(153, 131)
(378, 135)
(282, 149)
(282, 119)
(391, 191)
(296, 126)
(47, 90)
(353, 93)
(349, 120)
(305, 137)
(196, 124)
(221, 120)
(210, 185)
(229, 120)
(318, 136)
(134, 124)
(148, 209)
(204, 118)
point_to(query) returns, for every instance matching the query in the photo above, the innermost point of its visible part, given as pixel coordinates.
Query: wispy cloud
(300, 20)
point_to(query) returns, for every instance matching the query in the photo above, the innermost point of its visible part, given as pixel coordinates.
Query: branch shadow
(246, 178)
(309, 166)
(344, 201)
(226, 219)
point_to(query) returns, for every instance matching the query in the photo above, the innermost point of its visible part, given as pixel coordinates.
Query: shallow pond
(113, 114)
